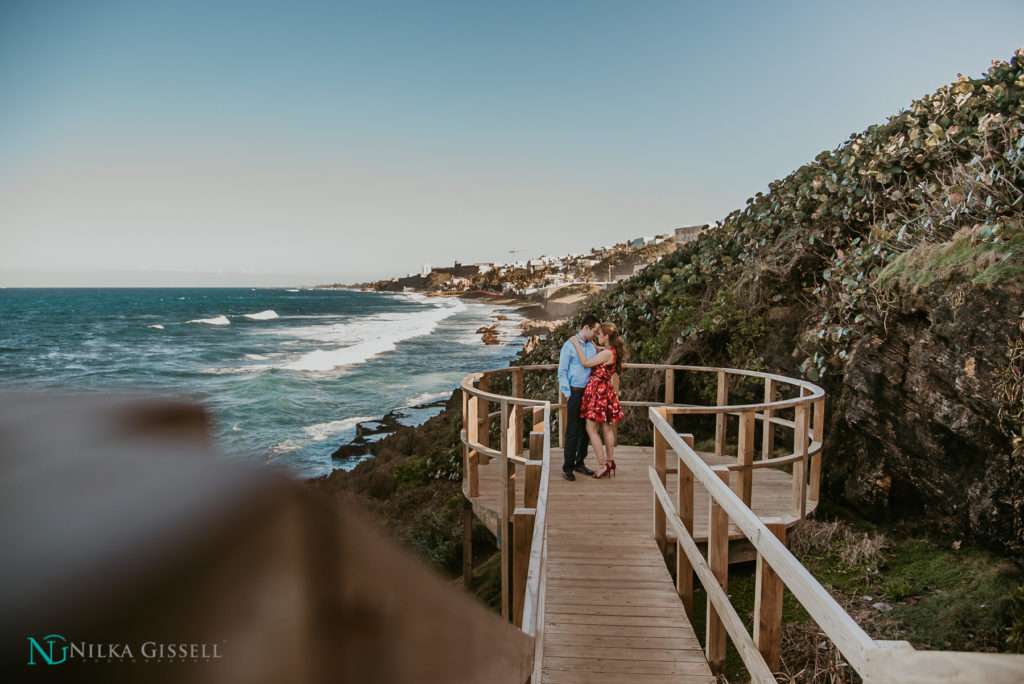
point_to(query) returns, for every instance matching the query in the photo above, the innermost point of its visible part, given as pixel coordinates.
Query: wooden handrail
(875, 661)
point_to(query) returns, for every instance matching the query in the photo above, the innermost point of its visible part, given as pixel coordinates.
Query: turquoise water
(285, 373)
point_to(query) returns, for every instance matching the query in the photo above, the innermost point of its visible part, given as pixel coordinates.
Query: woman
(600, 402)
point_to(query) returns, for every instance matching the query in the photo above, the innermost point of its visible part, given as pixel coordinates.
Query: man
(572, 380)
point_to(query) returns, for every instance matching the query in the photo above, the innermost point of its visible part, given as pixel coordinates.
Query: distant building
(689, 233)
(426, 270)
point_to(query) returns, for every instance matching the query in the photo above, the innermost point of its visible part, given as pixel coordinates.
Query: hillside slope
(890, 270)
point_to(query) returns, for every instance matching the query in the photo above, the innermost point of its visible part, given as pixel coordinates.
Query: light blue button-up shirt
(571, 372)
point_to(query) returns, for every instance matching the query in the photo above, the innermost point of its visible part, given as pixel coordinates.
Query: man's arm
(563, 370)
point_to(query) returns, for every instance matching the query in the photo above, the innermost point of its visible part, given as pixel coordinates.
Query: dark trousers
(576, 440)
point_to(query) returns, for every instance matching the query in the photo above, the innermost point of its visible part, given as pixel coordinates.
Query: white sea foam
(157, 327)
(257, 357)
(322, 431)
(217, 320)
(366, 337)
(267, 315)
(286, 445)
(290, 290)
(427, 398)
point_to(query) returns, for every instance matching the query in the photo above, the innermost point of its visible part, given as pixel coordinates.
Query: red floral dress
(600, 402)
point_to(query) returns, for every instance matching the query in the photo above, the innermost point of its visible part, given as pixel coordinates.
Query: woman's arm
(603, 356)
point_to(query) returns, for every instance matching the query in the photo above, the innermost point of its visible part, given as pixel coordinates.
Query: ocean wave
(156, 327)
(257, 357)
(267, 315)
(366, 337)
(216, 320)
(291, 290)
(322, 431)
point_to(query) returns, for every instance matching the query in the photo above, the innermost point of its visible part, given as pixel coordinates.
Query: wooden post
(517, 383)
(531, 479)
(745, 457)
(522, 530)
(819, 436)
(660, 447)
(467, 542)
(538, 419)
(718, 559)
(670, 393)
(799, 506)
(771, 393)
(684, 504)
(768, 603)
(505, 520)
(720, 418)
(517, 424)
(516, 428)
(471, 422)
(482, 410)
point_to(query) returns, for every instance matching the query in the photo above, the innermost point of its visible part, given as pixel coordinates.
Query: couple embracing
(584, 379)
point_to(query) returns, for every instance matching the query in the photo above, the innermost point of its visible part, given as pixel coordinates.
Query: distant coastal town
(543, 276)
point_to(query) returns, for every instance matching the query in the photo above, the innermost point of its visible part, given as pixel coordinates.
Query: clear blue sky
(258, 143)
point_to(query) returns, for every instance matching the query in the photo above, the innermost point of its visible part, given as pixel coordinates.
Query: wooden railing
(873, 660)
(522, 530)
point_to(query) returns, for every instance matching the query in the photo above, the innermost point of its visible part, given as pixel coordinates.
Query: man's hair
(589, 321)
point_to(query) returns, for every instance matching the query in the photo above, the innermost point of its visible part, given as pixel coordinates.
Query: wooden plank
(768, 604)
(892, 666)
(629, 640)
(580, 664)
(590, 677)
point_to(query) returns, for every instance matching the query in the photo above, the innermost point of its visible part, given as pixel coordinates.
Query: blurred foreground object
(131, 553)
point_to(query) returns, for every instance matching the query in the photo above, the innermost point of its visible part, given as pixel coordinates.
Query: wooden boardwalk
(612, 613)
(772, 491)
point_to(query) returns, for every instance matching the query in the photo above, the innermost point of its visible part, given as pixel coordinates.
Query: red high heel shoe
(611, 468)
(607, 469)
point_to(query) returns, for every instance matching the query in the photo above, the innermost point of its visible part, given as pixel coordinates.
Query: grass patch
(933, 595)
(984, 261)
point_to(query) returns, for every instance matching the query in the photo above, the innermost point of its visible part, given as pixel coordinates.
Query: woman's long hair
(615, 342)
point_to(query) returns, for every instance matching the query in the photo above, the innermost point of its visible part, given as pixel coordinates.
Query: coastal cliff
(891, 272)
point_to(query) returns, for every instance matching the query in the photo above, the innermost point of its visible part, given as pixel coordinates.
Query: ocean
(287, 374)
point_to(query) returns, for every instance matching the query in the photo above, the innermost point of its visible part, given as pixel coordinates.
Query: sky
(216, 143)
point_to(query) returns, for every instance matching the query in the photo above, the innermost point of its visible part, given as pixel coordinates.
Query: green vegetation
(940, 183)
(442, 460)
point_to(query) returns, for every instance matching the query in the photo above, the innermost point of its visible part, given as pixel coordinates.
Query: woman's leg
(609, 440)
(595, 441)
